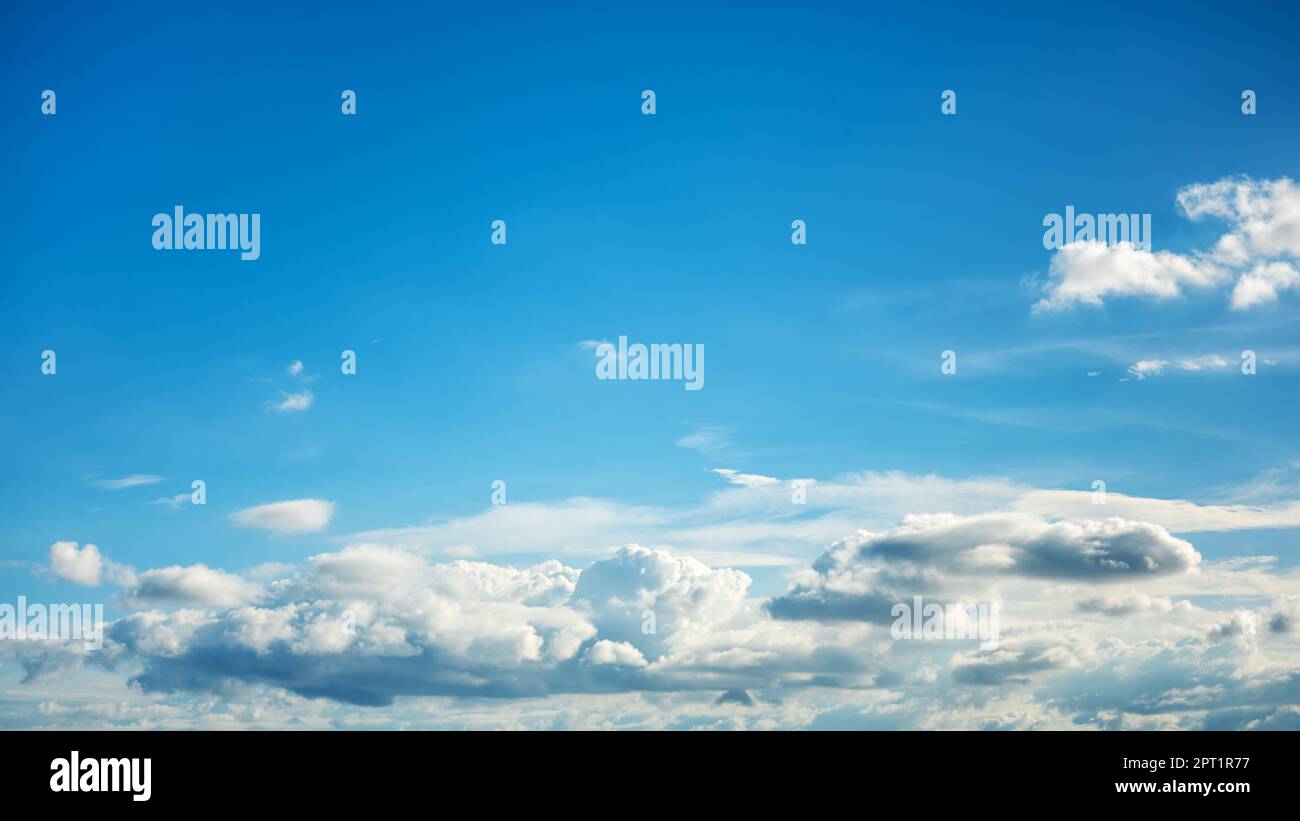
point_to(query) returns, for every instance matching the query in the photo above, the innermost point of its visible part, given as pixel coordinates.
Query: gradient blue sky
(924, 233)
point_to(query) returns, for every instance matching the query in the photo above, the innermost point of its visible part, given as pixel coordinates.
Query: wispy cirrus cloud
(134, 480)
(713, 441)
(745, 479)
(174, 502)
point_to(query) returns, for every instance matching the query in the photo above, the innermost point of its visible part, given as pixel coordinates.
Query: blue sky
(924, 234)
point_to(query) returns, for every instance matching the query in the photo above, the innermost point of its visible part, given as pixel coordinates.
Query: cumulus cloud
(1129, 603)
(615, 652)
(293, 516)
(1097, 628)
(367, 624)
(1086, 273)
(1261, 284)
(1176, 515)
(196, 585)
(84, 566)
(1257, 254)
(862, 576)
(1008, 665)
(1264, 214)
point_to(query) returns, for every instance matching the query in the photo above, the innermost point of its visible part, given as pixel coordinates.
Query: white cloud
(196, 585)
(758, 526)
(1155, 367)
(292, 402)
(615, 652)
(293, 516)
(295, 368)
(1086, 273)
(1260, 285)
(714, 441)
(1265, 215)
(1202, 363)
(1258, 252)
(1176, 515)
(860, 577)
(1096, 619)
(745, 479)
(1129, 603)
(554, 646)
(83, 566)
(134, 480)
(1147, 367)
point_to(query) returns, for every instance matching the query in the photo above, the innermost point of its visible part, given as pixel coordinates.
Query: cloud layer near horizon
(1097, 615)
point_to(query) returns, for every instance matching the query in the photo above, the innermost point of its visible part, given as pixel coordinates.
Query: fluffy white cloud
(615, 652)
(1260, 285)
(293, 516)
(373, 625)
(194, 585)
(1096, 622)
(83, 566)
(1265, 215)
(1257, 253)
(1086, 273)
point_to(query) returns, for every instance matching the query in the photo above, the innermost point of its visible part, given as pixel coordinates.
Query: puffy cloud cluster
(1097, 629)
(1086, 273)
(1258, 254)
(80, 566)
(369, 623)
(85, 565)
